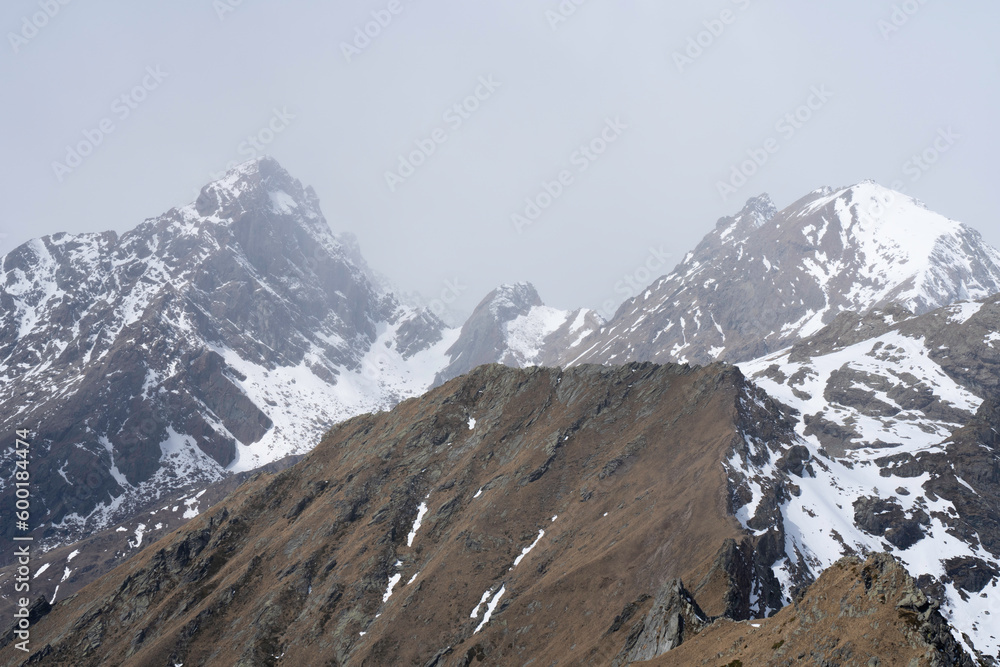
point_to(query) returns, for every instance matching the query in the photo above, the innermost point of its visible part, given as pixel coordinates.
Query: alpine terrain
(581, 517)
(764, 279)
(215, 338)
(899, 415)
(783, 452)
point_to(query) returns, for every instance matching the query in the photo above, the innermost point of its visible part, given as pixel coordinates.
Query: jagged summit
(510, 300)
(255, 183)
(762, 280)
(259, 190)
(512, 326)
(218, 336)
(760, 208)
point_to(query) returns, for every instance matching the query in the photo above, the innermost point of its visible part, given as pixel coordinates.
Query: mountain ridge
(235, 331)
(531, 485)
(764, 278)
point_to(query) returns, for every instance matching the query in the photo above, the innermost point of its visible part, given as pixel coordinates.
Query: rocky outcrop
(886, 518)
(674, 618)
(857, 614)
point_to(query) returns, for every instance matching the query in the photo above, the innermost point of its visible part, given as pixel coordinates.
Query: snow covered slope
(898, 418)
(512, 326)
(217, 337)
(764, 279)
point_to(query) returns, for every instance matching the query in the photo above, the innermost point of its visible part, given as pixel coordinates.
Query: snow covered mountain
(235, 331)
(512, 326)
(217, 337)
(763, 279)
(897, 418)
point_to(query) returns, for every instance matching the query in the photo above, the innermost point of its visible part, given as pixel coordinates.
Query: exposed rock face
(763, 279)
(511, 326)
(886, 518)
(483, 336)
(857, 614)
(508, 515)
(674, 618)
(899, 419)
(225, 334)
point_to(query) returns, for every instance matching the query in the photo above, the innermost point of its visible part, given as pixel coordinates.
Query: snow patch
(526, 333)
(490, 608)
(421, 511)
(526, 550)
(393, 580)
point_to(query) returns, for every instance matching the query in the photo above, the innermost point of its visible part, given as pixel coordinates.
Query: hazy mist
(623, 117)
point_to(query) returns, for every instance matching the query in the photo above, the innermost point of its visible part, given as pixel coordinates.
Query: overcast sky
(627, 77)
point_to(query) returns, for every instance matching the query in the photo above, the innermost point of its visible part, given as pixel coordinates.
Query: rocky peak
(859, 612)
(756, 213)
(734, 229)
(485, 336)
(509, 301)
(761, 208)
(763, 280)
(221, 335)
(252, 185)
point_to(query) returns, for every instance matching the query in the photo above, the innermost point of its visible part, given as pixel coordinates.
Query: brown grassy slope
(101, 552)
(291, 568)
(863, 614)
